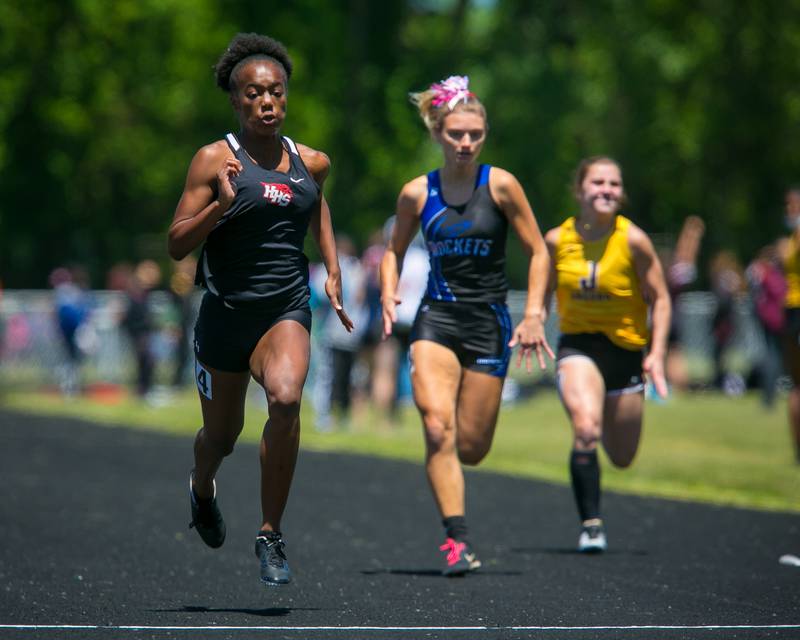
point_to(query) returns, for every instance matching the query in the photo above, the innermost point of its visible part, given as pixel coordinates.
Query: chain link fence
(34, 354)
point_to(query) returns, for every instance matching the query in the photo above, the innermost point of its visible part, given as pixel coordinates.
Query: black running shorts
(791, 343)
(621, 368)
(225, 338)
(477, 332)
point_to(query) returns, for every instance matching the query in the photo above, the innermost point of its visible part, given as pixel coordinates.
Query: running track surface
(93, 523)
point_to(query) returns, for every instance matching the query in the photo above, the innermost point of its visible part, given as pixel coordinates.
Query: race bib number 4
(203, 378)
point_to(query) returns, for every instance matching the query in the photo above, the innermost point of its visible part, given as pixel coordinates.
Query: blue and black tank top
(253, 258)
(466, 244)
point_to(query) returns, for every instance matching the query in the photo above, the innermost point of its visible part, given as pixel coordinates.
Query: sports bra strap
(434, 182)
(292, 146)
(483, 175)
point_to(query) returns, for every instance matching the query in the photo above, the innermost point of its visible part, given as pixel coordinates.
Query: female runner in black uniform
(249, 199)
(463, 336)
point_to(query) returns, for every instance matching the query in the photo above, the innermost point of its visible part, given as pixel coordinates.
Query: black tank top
(253, 258)
(466, 244)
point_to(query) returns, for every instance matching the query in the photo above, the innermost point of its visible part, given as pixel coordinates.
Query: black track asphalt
(93, 531)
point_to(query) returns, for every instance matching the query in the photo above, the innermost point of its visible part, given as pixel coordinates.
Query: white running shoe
(593, 538)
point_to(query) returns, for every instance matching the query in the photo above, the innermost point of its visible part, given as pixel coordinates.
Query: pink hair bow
(450, 91)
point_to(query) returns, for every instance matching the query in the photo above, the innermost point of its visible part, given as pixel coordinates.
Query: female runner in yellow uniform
(606, 276)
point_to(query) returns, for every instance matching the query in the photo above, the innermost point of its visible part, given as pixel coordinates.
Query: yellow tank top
(791, 268)
(598, 289)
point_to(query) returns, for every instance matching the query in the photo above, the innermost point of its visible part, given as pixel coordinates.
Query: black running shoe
(460, 558)
(207, 518)
(270, 551)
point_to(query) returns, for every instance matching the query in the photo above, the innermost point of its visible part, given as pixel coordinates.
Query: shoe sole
(212, 544)
(592, 548)
(474, 566)
(592, 551)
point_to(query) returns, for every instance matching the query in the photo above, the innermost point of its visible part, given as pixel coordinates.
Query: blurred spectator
(319, 371)
(371, 262)
(390, 365)
(789, 252)
(2, 328)
(681, 272)
(768, 292)
(181, 288)
(343, 346)
(72, 307)
(138, 321)
(2, 324)
(727, 285)
(119, 276)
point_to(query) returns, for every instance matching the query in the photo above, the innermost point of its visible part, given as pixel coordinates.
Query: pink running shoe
(460, 558)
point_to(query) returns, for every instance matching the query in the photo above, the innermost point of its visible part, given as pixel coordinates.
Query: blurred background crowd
(700, 102)
(133, 335)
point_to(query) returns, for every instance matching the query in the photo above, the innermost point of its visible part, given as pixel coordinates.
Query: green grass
(704, 447)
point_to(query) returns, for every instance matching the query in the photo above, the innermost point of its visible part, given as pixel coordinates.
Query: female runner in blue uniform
(462, 336)
(249, 200)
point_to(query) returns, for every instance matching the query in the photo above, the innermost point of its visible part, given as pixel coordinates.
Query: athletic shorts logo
(278, 194)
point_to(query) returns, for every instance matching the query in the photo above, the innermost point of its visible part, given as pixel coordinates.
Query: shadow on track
(572, 551)
(270, 612)
(435, 573)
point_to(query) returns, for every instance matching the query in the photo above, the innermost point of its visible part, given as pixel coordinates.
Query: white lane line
(650, 627)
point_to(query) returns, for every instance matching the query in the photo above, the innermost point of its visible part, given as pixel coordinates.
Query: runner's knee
(284, 402)
(471, 452)
(288, 402)
(621, 459)
(222, 442)
(439, 431)
(587, 433)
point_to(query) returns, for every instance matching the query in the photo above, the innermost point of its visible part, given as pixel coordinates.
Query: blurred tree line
(104, 103)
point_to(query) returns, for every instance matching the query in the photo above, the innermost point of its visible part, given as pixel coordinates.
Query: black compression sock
(456, 527)
(584, 469)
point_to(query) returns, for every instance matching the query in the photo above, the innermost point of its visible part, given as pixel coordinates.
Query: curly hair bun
(249, 45)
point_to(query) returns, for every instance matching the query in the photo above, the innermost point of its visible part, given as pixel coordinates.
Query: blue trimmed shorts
(477, 332)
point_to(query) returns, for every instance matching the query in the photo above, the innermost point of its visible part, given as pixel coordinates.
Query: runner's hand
(389, 312)
(225, 185)
(333, 289)
(653, 366)
(529, 334)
